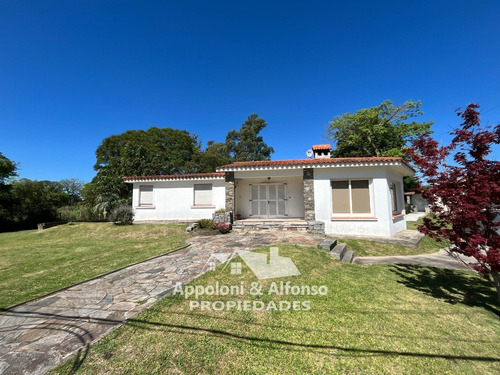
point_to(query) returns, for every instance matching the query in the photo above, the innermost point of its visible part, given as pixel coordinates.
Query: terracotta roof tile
(176, 176)
(299, 162)
(321, 147)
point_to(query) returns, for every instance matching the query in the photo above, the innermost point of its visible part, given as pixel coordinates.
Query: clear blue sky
(75, 72)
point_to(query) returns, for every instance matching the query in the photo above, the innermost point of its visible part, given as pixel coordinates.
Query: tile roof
(312, 162)
(189, 176)
(321, 147)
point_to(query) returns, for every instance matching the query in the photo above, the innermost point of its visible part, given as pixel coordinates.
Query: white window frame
(211, 205)
(142, 205)
(370, 214)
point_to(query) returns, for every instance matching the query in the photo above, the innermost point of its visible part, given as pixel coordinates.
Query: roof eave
(397, 163)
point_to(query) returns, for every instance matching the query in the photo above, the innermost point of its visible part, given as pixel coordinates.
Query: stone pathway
(39, 335)
(440, 259)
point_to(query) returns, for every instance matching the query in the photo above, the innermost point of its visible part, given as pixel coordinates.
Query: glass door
(268, 200)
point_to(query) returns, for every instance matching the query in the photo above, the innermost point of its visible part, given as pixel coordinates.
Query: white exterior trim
(140, 180)
(314, 165)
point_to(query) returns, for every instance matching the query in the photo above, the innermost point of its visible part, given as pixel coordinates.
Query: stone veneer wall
(230, 192)
(308, 183)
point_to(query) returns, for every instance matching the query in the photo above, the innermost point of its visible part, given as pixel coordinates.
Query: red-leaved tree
(464, 195)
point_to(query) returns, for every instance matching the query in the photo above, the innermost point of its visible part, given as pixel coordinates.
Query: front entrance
(268, 200)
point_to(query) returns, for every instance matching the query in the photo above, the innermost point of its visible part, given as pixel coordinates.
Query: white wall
(382, 223)
(173, 200)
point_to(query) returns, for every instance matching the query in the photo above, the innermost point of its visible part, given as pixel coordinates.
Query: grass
(390, 319)
(34, 263)
(414, 224)
(372, 248)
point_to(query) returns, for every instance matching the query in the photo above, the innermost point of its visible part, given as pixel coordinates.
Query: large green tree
(140, 152)
(214, 155)
(73, 188)
(383, 130)
(246, 144)
(37, 201)
(8, 170)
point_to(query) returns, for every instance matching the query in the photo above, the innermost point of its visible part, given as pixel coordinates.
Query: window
(394, 198)
(145, 195)
(351, 197)
(202, 194)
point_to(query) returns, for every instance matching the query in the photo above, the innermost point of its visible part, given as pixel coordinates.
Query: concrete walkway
(406, 237)
(440, 259)
(39, 335)
(415, 216)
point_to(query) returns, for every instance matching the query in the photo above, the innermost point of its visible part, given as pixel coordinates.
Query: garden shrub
(223, 227)
(205, 224)
(122, 215)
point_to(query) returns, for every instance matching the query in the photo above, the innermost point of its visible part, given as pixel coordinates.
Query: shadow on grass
(449, 286)
(70, 324)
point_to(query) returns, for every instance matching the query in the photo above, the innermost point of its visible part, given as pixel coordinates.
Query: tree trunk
(377, 152)
(496, 281)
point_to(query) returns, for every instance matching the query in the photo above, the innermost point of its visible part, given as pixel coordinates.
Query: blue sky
(75, 72)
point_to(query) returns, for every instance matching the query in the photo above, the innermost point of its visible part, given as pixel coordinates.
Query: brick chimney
(322, 151)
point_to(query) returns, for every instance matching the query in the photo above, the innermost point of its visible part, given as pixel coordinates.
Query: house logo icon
(278, 266)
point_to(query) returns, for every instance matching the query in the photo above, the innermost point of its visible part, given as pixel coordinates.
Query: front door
(268, 200)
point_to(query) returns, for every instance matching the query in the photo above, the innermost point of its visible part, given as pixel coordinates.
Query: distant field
(34, 263)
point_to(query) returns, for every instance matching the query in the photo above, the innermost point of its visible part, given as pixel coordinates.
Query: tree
(138, 152)
(214, 155)
(8, 169)
(464, 195)
(37, 201)
(383, 130)
(73, 188)
(246, 144)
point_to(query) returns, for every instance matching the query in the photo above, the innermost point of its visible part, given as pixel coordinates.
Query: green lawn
(389, 319)
(414, 224)
(372, 248)
(34, 263)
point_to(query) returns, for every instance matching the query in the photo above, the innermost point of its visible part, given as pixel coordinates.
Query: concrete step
(328, 244)
(339, 251)
(348, 257)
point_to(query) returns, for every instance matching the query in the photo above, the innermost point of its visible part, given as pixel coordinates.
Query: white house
(350, 196)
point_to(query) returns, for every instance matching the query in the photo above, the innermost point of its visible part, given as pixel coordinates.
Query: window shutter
(203, 194)
(146, 195)
(360, 194)
(340, 197)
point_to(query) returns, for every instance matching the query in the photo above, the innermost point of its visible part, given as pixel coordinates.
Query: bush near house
(122, 215)
(223, 227)
(205, 224)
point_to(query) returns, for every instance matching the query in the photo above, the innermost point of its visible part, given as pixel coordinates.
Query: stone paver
(38, 335)
(440, 259)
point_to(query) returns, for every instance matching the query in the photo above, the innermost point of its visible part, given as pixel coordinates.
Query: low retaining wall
(224, 217)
